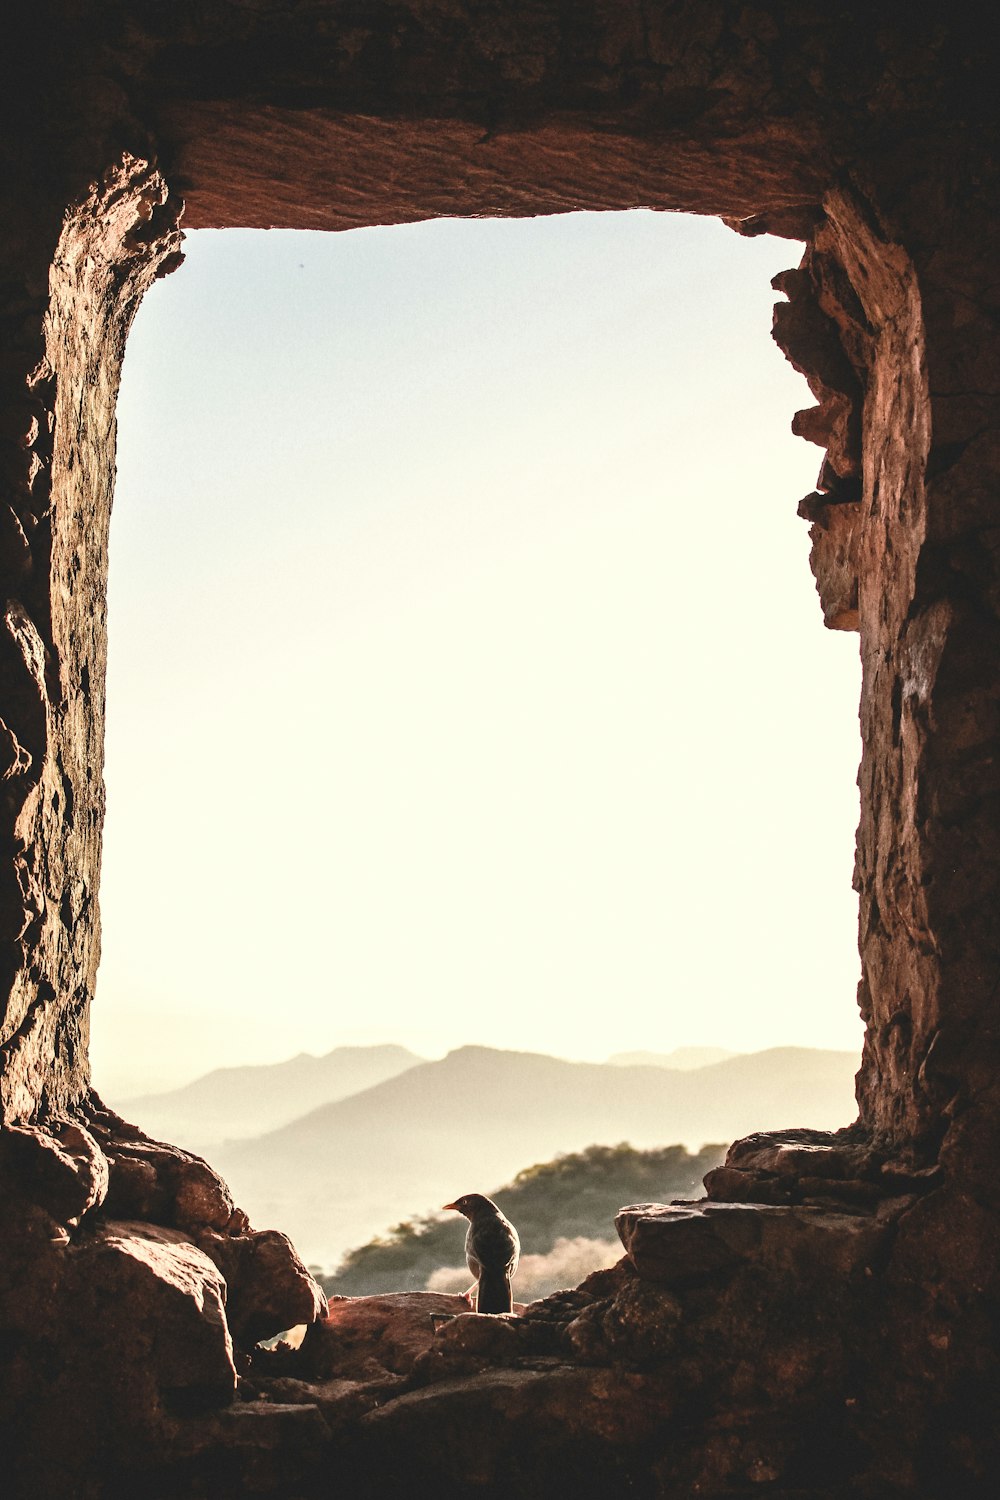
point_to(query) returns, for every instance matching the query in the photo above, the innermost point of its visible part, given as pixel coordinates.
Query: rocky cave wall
(867, 134)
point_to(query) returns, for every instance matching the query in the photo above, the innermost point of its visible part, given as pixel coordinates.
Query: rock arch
(876, 145)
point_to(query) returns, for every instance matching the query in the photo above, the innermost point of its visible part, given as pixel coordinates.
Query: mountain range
(346, 1170)
(232, 1103)
(682, 1058)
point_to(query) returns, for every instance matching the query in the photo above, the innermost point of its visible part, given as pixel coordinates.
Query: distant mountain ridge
(681, 1057)
(342, 1172)
(233, 1103)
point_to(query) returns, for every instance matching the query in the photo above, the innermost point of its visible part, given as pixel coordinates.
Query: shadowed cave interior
(823, 1322)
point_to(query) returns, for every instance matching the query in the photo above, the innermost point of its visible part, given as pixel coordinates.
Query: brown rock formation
(841, 1341)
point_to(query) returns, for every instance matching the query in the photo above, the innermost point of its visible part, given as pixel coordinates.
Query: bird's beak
(451, 1205)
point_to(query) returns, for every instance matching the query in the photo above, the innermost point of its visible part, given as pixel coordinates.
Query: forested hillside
(574, 1197)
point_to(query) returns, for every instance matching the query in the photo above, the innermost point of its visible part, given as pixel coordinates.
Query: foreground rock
(693, 1243)
(129, 1284)
(751, 1326)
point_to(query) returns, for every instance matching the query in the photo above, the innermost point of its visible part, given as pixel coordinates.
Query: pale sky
(467, 681)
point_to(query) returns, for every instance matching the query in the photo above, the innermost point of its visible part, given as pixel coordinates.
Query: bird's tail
(494, 1293)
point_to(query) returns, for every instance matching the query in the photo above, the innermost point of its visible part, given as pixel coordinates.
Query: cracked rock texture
(823, 1324)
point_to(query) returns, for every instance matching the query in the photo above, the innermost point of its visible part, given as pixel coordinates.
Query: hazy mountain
(342, 1173)
(232, 1103)
(681, 1057)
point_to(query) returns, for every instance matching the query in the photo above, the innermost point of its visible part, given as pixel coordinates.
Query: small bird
(491, 1250)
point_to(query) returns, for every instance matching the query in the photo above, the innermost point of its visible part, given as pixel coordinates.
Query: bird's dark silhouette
(491, 1250)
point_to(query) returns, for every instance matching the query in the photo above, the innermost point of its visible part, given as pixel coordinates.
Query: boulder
(153, 1308)
(684, 1244)
(366, 1338)
(151, 1180)
(270, 1289)
(60, 1167)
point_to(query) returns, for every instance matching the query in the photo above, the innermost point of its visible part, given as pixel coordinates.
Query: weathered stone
(103, 248)
(166, 1311)
(270, 1289)
(821, 1153)
(787, 1159)
(62, 1167)
(840, 1190)
(251, 1448)
(200, 1196)
(173, 1187)
(530, 1432)
(834, 535)
(683, 1244)
(121, 1332)
(364, 1338)
(638, 1325)
(733, 1185)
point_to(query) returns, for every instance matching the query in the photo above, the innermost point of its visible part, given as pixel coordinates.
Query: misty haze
(517, 699)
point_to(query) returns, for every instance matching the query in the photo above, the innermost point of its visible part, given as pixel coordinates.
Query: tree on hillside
(574, 1197)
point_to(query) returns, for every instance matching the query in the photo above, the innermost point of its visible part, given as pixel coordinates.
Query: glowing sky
(467, 678)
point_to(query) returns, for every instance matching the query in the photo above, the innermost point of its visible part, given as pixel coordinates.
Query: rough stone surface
(63, 1168)
(692, 1243)
(715, 1384)
(120, 1303)
(372, 1337)
(172, 1301)
(108, 1338)
(167, 1185)
(871, 137)
(834, 534)
(270, 1290)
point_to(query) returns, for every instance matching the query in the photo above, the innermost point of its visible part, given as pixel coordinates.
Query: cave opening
(533, 480)
(822, 1321)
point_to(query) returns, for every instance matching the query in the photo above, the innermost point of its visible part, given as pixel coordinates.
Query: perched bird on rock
(491, 1249)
